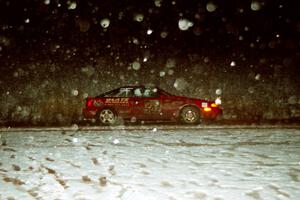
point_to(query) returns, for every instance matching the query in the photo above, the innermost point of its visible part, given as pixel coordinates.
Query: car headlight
(214, 105)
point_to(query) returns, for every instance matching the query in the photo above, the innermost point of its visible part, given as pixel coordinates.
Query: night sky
(242, 47)
(42, 26)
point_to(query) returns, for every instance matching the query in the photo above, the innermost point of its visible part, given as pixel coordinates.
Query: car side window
(138, 92)
(151, 93)
(146, 93)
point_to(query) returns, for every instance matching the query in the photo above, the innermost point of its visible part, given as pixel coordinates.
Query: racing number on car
(152, 106)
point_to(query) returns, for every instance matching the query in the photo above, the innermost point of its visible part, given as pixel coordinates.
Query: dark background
(53, 54)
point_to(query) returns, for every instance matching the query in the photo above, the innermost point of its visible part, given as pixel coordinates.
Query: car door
(120, 100)
(147, 104)
(171, 106)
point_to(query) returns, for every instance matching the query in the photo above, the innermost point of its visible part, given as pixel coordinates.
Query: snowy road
(156, 162)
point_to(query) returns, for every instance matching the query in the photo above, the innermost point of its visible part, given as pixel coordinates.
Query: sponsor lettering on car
(117, 101)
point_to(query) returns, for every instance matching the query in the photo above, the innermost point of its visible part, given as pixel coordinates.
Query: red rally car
(149, 104)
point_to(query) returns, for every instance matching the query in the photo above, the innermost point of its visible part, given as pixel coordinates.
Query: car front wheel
(107, 117)
(190, 115)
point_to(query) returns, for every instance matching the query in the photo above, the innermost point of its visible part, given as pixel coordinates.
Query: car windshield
(120, 92)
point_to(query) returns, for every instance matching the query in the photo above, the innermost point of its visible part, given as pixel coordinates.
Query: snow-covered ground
(152, 163)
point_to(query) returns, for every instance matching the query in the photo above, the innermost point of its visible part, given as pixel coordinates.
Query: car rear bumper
(89, 114)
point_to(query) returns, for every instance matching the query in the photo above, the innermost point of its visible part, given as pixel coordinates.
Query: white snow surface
(173, 163)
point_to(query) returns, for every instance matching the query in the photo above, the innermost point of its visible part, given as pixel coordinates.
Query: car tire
(107, 116)
(190, 115)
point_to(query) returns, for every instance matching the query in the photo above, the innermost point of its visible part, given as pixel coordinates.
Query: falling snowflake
(170, 72)
(75, 140)
(158, 3)
(255, 5)
(218, 92)
(162, 73)
(75, 92)
(116, 141)
(163, 34)
(206, 59)
(47, 2)
(149, 31)
(180, 84)
(105, 23)
(257, 77)
(85, 95)
(211, 7)
(184, 24)
(133, 119)
(171, 63)
(135, 41)
(136, 65)
(139, 17)
(72, 5)
(75, 127)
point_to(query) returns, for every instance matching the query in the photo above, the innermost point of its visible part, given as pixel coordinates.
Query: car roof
(136, 86)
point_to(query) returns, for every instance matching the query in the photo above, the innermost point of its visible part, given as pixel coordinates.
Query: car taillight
(89, 103)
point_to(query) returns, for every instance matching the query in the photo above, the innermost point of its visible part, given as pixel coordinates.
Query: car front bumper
(214, 114)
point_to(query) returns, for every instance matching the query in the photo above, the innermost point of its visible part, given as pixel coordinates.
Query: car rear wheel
(190, 115)
(107, 117)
